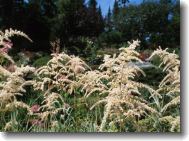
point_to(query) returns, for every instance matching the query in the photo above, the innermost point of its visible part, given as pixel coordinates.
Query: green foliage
(113, 37)
(153, 22)
(41, 61)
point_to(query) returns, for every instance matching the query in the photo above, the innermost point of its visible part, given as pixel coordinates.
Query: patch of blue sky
(105, 4)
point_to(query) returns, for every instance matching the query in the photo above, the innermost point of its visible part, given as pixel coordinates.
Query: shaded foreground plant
(169, 89)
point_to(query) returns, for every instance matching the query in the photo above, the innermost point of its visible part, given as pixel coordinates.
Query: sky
(105, 4)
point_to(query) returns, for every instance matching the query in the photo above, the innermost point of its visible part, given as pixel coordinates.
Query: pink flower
(7, 45)
(35, 108)
(4, 50)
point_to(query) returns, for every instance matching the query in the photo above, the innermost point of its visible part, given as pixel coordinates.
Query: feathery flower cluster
(5, 42)
(124, 98)
(170, 85)
(61, 72)
(12, 86)
(13, 81)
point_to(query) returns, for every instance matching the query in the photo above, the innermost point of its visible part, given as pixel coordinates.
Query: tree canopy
(153, 22)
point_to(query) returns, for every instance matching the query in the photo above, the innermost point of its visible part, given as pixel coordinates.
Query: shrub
(113, 37)
(41, 61)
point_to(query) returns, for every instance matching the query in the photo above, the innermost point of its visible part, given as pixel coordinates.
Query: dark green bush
(111, 37)
(41, 61)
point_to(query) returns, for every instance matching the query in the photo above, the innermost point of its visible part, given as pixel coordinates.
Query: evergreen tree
(49, 8)
(12, 13)
(6, 12)
(109, 20)
(95, 19)
(37, 26)
(73, 16)
(100, 23)
(71, 20)
(123, 2)
(116, 9)
(92, 6)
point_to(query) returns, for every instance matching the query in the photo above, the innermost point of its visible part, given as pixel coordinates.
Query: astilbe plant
(51, 112)
(123, 98)
(60, 73)
(13, 81)
(93, 81)
(12, 86)
(169, 89)
(6, 44)
(59, 76)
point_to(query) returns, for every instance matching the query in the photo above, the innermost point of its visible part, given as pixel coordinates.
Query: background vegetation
(153, 22)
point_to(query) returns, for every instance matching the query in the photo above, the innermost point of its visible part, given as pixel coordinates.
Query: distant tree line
(153, 22)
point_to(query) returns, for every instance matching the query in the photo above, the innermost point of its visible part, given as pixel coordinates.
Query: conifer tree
(116, 9)
(95, 19)
(123, 2)
(109, 20)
